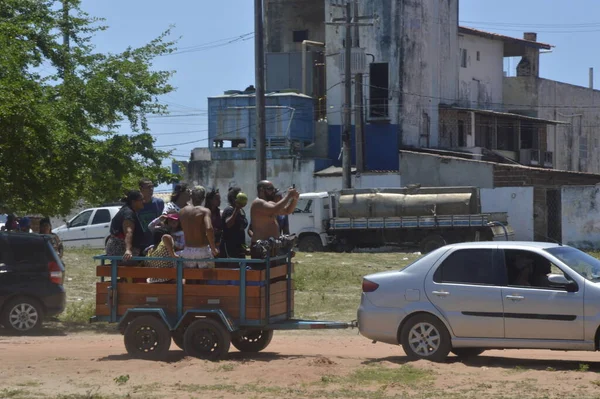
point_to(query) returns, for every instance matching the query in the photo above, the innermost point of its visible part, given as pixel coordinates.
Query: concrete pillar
(530, 62)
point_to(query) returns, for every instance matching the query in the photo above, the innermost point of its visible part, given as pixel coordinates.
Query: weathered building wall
(517, 202)
(581, 216)
(366, 180)
(575, 146)
(283, 17)
(440, 171)
(419, 42)
(481, 72)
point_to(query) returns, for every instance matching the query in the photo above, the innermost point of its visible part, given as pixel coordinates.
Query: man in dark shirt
(153, 208)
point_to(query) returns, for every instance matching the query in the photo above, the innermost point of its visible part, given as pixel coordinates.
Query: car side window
(468, 266)
(529, 269)
(82, 219)
(101, 216)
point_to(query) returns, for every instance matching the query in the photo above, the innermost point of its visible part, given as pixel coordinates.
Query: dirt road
(328, 364)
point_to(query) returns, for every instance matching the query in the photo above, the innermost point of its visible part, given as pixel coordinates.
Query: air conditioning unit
(358, 61)
(548, 159)
(529, 157)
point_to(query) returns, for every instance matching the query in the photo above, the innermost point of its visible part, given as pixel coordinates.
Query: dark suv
(31, 281)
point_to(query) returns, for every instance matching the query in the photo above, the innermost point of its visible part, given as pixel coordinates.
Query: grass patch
(13, 393)
(29, 384)
(78, 312)
(404, 375)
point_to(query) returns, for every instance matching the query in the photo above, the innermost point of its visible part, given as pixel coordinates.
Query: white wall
(488, 71)
(517, 202)
(227, 173)
(581, 216)
(366, 180)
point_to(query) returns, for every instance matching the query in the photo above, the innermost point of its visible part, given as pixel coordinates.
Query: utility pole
(349, 22)
(346, 155)
(358, 105)
(259, 58)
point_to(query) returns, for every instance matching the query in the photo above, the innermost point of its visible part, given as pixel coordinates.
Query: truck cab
(310, 219)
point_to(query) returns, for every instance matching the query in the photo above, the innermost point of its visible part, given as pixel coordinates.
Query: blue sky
(572, 26)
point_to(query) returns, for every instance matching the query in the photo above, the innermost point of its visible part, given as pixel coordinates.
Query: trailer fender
(216, 314)
(131, 314)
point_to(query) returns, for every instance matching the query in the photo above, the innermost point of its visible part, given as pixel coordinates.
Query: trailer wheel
(310, 243)
(207, 339)
(252, 341)
(431, 243)
(147, 337)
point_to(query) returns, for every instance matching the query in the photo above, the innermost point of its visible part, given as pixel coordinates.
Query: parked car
(31, 281)
(90, 228)
(466, 298)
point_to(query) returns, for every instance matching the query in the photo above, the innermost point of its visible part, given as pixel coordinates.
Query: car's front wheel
(425, 337)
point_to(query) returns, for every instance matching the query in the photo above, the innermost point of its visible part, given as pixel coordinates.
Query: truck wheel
(252, 341)
(147, 337)
(431, 243)
(310, 244)
(425, 337)
(22, 315)
(207, 339)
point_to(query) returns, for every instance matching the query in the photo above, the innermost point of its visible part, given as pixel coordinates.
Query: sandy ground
(307, 364)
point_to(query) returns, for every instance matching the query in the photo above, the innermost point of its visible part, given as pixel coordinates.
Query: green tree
(62, 103)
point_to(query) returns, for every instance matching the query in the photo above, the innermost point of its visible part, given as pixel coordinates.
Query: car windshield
(587, 266)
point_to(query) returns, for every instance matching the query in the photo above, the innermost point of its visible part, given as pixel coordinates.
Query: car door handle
(106, 227)
(441, 293)
(515, 297)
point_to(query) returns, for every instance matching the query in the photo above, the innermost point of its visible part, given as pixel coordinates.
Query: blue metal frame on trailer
(282, 322)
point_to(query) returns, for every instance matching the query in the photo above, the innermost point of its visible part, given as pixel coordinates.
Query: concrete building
(409, 59)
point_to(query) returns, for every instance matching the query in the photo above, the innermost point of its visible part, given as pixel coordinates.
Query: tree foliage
(62, 105)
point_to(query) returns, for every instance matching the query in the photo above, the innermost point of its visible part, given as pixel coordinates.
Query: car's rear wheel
(465, 353)
(22, 315)
(425, 337)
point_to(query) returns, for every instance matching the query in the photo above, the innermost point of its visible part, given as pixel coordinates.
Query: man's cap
(25, 222)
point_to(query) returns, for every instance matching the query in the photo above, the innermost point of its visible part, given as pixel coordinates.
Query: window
(300, 36)
(27, 250)
(463, 57)
(478, 56)
(304, 206)
(378, 90)
(468, 266)
(528, 269)
(101, 216)
(81, 220)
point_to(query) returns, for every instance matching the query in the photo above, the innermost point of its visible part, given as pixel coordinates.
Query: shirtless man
(198, 231)
(264, 212)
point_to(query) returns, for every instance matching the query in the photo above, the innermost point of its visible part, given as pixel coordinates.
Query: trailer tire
(310, 243)
(431, 243)
(147, 337)
(252, 341)
(207, 339)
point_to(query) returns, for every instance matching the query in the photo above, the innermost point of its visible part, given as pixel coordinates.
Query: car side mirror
(560, 281)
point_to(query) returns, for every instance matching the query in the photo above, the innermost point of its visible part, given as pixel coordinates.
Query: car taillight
(56, 273)
(369, 286)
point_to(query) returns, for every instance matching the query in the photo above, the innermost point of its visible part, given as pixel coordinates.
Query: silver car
(466, 298)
